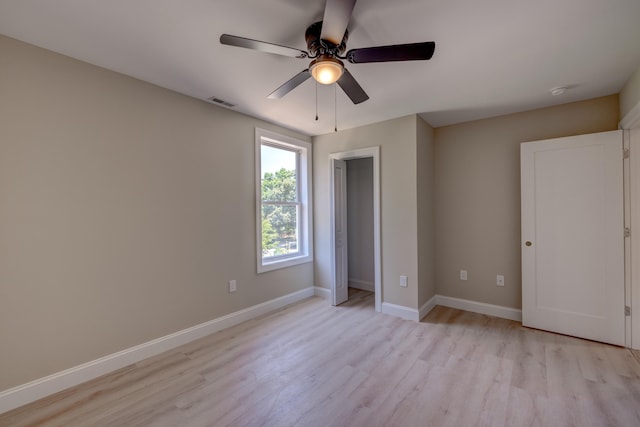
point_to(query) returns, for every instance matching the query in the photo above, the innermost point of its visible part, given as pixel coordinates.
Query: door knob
(527, 243)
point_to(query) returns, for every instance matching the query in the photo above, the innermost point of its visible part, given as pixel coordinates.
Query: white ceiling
(492, 57)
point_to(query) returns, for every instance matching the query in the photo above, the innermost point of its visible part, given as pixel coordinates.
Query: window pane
(279, 230)
(279, 177)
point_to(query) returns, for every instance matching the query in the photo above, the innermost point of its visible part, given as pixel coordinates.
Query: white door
(341, 281)
(573, 236)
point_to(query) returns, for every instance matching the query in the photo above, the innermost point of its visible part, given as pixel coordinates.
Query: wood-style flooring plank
(310, 364)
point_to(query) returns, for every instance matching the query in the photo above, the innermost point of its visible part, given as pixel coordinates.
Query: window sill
(284, 263)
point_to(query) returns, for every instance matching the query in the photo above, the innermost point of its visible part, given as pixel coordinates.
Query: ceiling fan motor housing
(317, 47)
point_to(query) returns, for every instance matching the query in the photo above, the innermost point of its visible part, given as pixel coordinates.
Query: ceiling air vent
(221, 102)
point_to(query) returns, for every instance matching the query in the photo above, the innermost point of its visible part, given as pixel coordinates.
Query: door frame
(631, 124)
(374, 153)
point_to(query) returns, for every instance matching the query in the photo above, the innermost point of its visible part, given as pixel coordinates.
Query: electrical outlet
(463, 274)
(500, 280)
(232, 286)
(403, 281)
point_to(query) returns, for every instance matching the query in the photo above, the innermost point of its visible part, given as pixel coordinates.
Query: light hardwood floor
(311, 364)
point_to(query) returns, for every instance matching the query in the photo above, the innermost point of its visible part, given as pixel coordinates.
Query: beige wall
(397, 141)
(477, 200)
(360, 223)
(630, 94)
(425, 202)
(124, 210)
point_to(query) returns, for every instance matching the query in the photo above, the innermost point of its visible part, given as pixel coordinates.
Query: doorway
(341, 227)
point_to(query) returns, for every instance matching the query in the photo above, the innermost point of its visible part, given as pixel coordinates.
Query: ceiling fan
(326, 42)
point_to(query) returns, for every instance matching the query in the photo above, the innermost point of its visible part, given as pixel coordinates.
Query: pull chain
(335, 107)
(316, 100)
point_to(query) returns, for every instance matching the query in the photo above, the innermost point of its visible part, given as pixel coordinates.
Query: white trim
(305, 199)
(427, 307)
(461, 304)
(284, 263)
(321, 292)
(631, 119)
(373, 152)
(630, 123)
(480, 307)
(34, 390)
(634, 223)
(400, 311)
(626, 186)
(364, 285)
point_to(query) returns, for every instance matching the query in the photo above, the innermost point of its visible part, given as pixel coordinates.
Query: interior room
(149, 275)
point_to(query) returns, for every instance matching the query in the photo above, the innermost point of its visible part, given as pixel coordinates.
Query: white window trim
(306, 210)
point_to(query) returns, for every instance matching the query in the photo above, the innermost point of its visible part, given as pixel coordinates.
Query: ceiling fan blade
(398, 52)
(337, 14)
(351, 87)
(290, 85)
(262, 46)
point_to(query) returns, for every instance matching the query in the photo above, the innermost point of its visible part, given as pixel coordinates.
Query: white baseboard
(427, 307)
(362, 284)
(322, 292)
(409, 313)
(34, 390)
(461, 304)
(400, 311)
(480, 307)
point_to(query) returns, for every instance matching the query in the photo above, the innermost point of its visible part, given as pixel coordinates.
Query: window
(283, 199)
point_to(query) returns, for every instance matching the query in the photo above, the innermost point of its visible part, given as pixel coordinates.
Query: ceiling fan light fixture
(326, 69)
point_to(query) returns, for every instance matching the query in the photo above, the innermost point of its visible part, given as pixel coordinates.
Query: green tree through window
(283, 201)
(280, 205)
